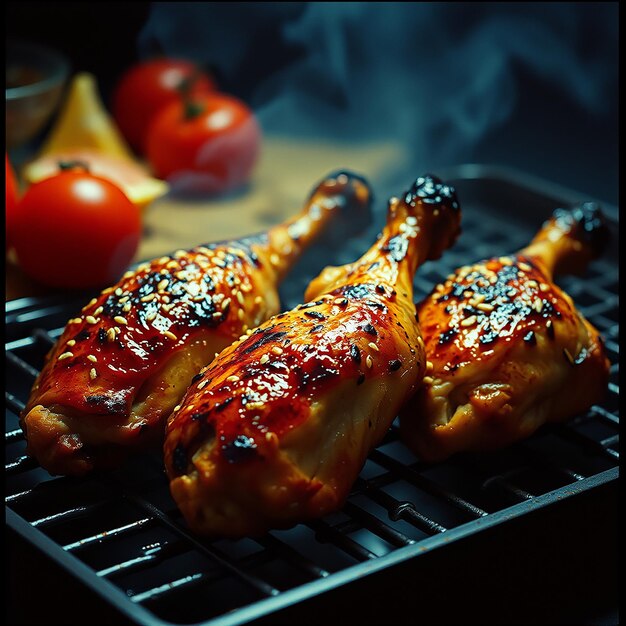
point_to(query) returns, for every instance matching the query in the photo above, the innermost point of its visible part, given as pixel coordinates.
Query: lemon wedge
(85, 132)
(131, 177)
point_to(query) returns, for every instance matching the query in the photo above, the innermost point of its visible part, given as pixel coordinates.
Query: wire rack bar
(402, 510)
(288, 553)
(328, 533)
(108, 535)
(21, 464)
(424, 483)
(14, 403)
(213, 554)
(21, 365)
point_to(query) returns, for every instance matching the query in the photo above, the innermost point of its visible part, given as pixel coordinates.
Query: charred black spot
(394, 365)
(431, 190)
(196, 378)
(201, 415)
(316, 314)
(317, 373)
(548, 310)
(471, 310)
(375, 305)
(316, 328)
(447, 336)
(230, 258)
(112, 306)
(397, 247)
(147, 284)
(360, 379)
(356, 292)
(488, 335)
(355, 353)
(267, 337)
(241, 449)
(113, 404)
(220, 406)
(83, 335)
(244, 245)
(369, 329)
(530, 338)
(179, 459)
(202, 312)
(102, 335)
(587, 223)
(380, 289)
(210, 283)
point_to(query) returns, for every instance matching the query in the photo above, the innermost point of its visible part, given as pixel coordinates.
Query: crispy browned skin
(121, 366)
(277, 428)
(509, 350)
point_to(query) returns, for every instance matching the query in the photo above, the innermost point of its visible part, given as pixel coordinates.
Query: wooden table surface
(285, 174)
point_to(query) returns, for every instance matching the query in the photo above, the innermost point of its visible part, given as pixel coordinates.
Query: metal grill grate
(123, 536)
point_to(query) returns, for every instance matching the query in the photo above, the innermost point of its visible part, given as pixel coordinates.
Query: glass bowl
(35, 77)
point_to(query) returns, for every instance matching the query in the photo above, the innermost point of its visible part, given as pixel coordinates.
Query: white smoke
(434, 77)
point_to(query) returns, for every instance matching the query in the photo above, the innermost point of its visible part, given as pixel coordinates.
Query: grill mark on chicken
(240, 449)
(114, 404)
(315, 314)
(266, 337)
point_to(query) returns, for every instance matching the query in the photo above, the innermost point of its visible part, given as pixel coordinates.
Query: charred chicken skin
(509, 350)
(276, 429)
(121, 366)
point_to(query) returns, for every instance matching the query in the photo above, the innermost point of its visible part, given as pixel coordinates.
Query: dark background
(559, 72)
(97, 37)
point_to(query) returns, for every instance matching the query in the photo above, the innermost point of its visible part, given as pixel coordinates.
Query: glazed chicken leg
(509, 350)
(121, 366)
(275, 430)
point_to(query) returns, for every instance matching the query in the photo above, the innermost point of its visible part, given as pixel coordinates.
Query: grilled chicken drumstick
(508, 347)
(118, 369)
(276, 429)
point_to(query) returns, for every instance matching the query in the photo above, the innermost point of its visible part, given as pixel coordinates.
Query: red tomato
(11, 202)
(146, 87)
(208, 145)
(76, 230)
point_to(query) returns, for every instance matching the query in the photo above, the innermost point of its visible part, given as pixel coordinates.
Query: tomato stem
(73, 164)
(192, 109)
